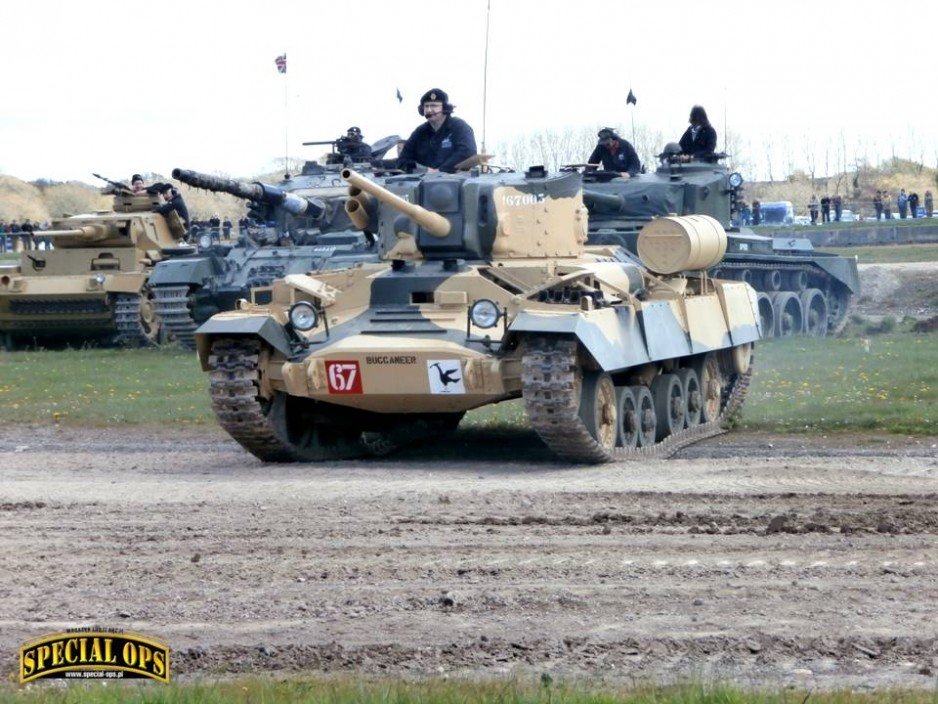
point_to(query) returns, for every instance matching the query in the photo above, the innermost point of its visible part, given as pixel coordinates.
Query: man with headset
(442, 141)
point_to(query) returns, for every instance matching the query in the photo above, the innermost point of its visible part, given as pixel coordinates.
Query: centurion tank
(487, 292)
(90, 286)
(301, 232)
(801, 290)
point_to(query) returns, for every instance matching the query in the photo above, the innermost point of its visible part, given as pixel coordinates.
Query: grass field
(889, 383)
(889, 254)
(345, 690)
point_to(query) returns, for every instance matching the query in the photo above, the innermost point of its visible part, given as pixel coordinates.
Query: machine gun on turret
(354, 151)
(117, 186)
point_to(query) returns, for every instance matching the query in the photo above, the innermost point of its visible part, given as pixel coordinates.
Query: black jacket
(452, 143)
(700, 146)
(624, 160)
(177, 204)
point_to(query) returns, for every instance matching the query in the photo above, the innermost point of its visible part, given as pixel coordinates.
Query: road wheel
(668, 395)
(693, 399)
(628, 415)
(598, 408)
(712, 382)
(647, 419)
(814, 307)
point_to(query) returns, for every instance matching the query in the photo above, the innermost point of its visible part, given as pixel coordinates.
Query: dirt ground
(762, 559)
(767, 560)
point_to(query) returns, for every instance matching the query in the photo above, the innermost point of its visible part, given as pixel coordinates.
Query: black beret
(434, 95)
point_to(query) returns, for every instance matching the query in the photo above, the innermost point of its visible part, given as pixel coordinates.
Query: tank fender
(177, 272)
(843, 269)
(127, 282)
(262, 326)
(613, 336)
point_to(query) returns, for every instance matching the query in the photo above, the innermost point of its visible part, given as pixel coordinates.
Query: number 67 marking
(344, 377)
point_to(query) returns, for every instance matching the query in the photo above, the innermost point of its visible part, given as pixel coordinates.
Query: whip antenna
(485, 70)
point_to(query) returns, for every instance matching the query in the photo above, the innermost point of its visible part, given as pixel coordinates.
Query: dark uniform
(441, 149)
(699, 141)
(624, 159)
(177, 204)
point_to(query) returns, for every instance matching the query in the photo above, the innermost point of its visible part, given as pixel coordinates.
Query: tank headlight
(303, 316)
(484, 313)
(205, 241)
(99, 279)
(736, 179)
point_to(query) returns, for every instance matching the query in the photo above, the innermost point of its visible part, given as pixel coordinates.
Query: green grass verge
(885, 382)
(347, 690)
(819, 384)
(888, 253)
(99, 387)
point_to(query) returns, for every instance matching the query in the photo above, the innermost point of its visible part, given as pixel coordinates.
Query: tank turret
(473, 217)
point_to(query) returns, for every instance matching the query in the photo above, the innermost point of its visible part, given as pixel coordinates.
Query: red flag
(281, 62)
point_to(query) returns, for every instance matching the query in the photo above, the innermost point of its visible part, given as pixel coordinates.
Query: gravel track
(763, 559)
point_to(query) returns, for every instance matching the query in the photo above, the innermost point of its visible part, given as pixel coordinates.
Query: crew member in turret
(442, 141)
(353, 145)
(172, 201)
(615, 154)
(699, 141)
(136, 184)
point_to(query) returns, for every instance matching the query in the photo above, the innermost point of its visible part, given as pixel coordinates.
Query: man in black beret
(136, 183)
(442, 141)
(615, 154)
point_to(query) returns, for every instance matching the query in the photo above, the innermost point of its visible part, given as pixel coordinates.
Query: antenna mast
(485, 71)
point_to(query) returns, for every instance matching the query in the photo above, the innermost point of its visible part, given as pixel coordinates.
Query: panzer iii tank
(487, 292)
(801, 291)
(302, 233)
(91, 285)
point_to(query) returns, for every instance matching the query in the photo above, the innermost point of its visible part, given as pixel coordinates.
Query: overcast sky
(143, 86)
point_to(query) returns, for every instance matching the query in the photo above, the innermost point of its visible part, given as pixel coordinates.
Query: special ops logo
(94, 653)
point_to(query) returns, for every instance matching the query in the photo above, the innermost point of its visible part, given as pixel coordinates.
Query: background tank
(305, 229)
(486, 292)
(91, 285)
(801, 291)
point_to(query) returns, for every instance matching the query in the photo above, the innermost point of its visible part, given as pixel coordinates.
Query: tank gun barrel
(610, 200)
(434, 223)
(257, 192)
(95, 232)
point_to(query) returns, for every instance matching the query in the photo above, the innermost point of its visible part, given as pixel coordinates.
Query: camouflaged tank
(90, 286)
(304, 228)
(801, 290)
(488, 292)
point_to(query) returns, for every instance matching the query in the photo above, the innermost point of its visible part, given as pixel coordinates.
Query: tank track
(548, 381)
(836, 323)
(171, 305)
(130, 330)
(235, 391)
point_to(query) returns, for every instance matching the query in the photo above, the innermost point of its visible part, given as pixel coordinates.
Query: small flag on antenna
(631, 100)
(400, 98)
(281, 62)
